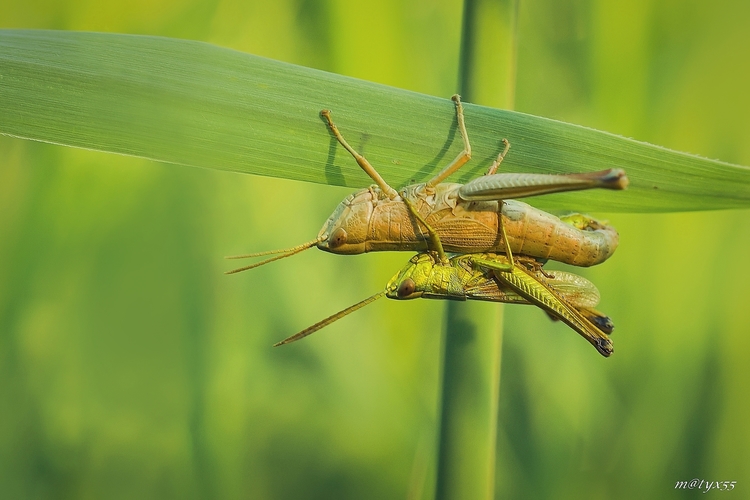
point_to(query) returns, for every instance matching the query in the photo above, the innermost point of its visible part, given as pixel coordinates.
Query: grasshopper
(471, 218)
(491, 277)
(473, 276)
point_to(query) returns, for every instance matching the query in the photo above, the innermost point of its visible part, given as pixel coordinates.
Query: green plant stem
(473, 331)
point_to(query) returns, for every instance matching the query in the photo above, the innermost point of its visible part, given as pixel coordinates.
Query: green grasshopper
(471, 218)
(491, 277)
(472, 276)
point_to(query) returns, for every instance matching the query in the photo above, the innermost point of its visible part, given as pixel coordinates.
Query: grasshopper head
(345, 231)
(412, 281)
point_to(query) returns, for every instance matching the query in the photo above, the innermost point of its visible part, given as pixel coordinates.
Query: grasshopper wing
(575, 289)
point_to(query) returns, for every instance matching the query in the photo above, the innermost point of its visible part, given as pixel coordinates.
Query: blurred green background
(131, 367)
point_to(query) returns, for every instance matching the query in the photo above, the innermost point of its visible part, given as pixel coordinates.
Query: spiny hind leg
(361, 160)
(464, 156)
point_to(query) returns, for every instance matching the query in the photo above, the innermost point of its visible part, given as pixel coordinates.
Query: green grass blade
(196, 104)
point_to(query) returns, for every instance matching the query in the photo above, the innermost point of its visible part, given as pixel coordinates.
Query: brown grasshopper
(491, 277)
(471, 218)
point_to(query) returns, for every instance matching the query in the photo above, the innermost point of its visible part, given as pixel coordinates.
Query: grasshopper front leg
(361, 160)
(435, 243)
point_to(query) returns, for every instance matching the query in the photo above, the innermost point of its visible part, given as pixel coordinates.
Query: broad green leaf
(191, 103)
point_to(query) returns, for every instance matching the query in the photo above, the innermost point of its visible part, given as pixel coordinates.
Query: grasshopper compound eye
(338, 238)
(406, 288)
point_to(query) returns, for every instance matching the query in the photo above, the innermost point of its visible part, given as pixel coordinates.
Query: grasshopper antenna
(330, 319)
(287, 252)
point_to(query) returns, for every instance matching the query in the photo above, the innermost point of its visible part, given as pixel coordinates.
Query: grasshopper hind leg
(543, 296)
(598, 319)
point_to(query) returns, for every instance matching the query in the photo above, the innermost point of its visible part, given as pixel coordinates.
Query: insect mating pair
(485, 228)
